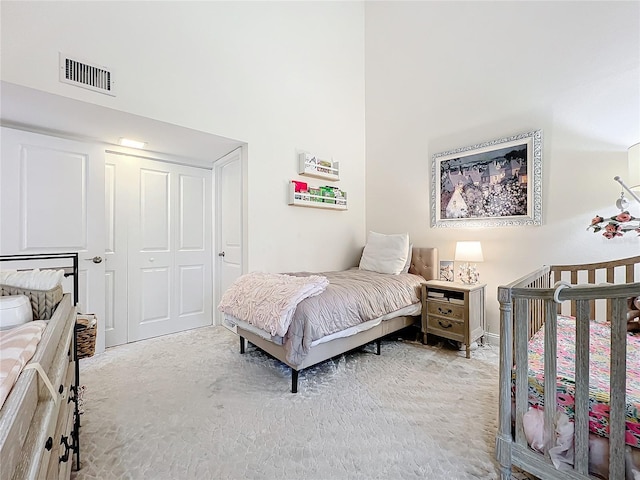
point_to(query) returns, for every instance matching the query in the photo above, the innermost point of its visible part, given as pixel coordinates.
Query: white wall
(442, 75)
(439, 75)
(280, 76)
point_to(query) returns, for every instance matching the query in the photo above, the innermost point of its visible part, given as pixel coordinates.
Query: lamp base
(468, 274)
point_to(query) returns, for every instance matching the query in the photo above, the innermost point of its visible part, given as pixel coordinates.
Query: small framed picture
(446, 270)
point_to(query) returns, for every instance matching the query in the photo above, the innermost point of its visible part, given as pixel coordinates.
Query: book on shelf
(435, 294)
(457, 301)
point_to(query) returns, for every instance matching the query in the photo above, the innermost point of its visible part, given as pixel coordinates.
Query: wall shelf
(313, 200)
(311, 166)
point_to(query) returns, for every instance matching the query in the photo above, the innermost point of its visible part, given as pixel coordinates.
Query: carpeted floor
(189, 406)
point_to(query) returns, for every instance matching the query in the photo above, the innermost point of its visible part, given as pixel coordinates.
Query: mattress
(599, 356)
(411, 310)
(351, 298)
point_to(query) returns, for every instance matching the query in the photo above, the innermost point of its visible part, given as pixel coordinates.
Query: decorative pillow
(35, 279)
(407, 265)
(385, 253)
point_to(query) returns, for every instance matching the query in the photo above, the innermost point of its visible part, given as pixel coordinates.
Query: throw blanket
(268, 300)
(17, 346)
(353, 296)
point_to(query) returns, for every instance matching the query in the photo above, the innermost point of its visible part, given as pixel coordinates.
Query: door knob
(95, 259)
(221, 254)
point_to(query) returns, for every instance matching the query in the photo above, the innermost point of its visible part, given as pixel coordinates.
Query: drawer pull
(49, 444)
(449, 325)
(65, 457)
(74, 390)
(448, 311)
(61, 389)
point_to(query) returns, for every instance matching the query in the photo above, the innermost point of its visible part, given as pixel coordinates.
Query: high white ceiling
(43, 112)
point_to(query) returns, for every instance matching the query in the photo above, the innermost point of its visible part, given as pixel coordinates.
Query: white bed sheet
(410, 310)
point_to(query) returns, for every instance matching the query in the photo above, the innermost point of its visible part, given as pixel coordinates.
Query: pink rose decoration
(616, 226)
(623, 217)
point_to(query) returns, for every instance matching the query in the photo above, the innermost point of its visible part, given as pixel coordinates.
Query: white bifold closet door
(159, 247)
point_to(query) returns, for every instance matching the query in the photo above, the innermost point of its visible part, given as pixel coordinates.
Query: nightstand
(453, 310)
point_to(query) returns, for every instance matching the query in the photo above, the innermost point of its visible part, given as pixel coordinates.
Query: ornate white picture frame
(491, 184)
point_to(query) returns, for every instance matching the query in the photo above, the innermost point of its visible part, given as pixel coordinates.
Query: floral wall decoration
(615, 226)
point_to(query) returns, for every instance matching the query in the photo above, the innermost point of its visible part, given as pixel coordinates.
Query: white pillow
(407, 265)
(385, 253)
(35, 279)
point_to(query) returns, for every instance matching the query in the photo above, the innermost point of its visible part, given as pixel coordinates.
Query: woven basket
(43, 302)
(86, 327)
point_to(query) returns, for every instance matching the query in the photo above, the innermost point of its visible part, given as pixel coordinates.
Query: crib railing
(527, 304)
(620, 271)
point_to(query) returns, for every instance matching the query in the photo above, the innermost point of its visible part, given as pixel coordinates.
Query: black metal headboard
(70, 270)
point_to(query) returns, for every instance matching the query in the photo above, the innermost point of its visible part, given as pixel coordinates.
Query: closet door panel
(192, 209)
(156, 295)
(154, 207)
(117, 172)
(150, 256)
(193, 252)
(192, 281)
(54, 198)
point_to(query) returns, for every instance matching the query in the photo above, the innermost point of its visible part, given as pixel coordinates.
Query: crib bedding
(351, 298)
(599, 354)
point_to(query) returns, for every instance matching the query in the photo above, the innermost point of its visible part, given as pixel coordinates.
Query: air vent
(86, 75)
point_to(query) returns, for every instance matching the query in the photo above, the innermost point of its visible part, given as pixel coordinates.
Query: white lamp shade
(634, 167)
(468, 252)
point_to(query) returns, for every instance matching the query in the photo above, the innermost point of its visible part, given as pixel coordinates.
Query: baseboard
(492, 339)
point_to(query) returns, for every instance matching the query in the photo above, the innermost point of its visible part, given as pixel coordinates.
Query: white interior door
(118, 170)
(52, 200)
(169, 278)
(229, 220)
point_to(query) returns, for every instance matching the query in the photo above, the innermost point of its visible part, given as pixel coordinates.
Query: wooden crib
(597, 291)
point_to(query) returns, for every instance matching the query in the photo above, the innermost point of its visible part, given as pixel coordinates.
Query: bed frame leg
(294, 380)
(241, 345)
(378, 343)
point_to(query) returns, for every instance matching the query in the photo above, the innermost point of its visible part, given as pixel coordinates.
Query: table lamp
(467, 252)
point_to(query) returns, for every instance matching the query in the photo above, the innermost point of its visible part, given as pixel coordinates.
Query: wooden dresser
(37, 435)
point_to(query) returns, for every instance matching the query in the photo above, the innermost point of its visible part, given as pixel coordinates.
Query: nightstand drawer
(446, 325)
(444, 309)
